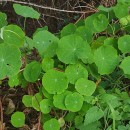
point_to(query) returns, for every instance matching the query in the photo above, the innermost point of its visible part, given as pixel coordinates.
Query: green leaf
(46, 43)
(30, 43)
(74, 72)
(85, 87)
(68, 29)
(125, 65)
(74, 102)
(106, 59)
(78, 120)
(47, 64)
(13, 81)
(36, 99)
(55, 82)
(124, 43)
(85, 33)
(45, 106)
(69, 117)
(46, 94)
(27, 100)
(3, 19)
(100, 23)
(73, 47)
(89, 22)
(26, 11)
(106, 9)
(51, 124)
(121, 10)
(32, 71)
(18, 119)
(10, 60)
(93, 114)
(59, 100)
(13, 34)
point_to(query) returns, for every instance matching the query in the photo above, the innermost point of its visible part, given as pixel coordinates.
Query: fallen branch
(47, 8)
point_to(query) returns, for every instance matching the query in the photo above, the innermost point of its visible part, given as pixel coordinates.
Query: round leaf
(27, 100)
(124, 44)
(45, 106)
(106, 59)
(74, 72)
(73, 47)
(55, 82)
(68, 29)
(13, 81)
(32, 71)
(121, 10)
(74, 102)
(125, 65)
(26, 11)
(47, 64)
(10, 60)
(18, 119)
(51, 124)
(59, 100)
(46, 43)
(13, 34)
(85, 87)
(100, 23)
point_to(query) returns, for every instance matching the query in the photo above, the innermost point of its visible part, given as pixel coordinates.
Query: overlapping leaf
(55, 82)
(10, 60)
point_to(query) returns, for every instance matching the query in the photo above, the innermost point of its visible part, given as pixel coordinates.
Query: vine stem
(48, 8)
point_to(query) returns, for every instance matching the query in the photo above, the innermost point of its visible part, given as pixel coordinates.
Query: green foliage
(79, 75)
(18, 119)
(51, 124)
(26, 11)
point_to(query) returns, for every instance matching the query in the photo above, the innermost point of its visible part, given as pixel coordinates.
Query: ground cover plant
(82, 73)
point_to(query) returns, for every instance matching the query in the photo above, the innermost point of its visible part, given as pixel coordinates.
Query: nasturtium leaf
(74, 102)
(125, 65)
(3, 19)
(73, 47)
(121, 10)
(106, 59)
(85, 87)
(36, 99)
(13, 34)
(100, 23)
(47, 64)
(13, 81)
(68, 29)
(106, 9)
(41, 29)
(93, 114)
(45, 43)
(124, 43)
(51, 124)
(59, 100)
(10, 60)
(89, 22)
(46, 105)
(76, 71)
(55, 82)
(27, 100)
(85, 33)
(32, 71)
(18, 119)
(26, 11)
